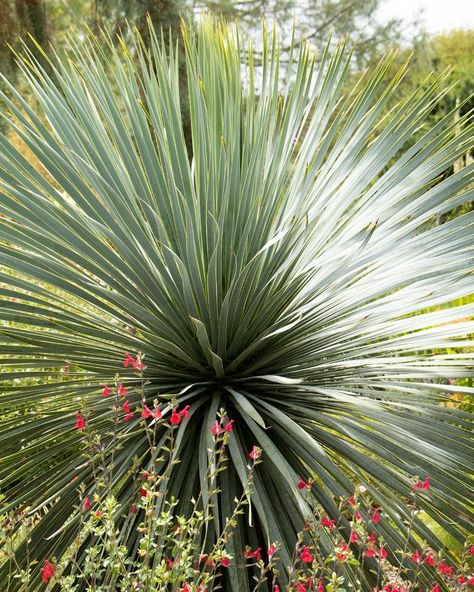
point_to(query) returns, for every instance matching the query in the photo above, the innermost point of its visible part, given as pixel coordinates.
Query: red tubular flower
(128, 416)
(416, 557)
(342, 554)
(306, 556)
(352, 501)
(321, 586)
(357, 515)
(271, 551)
(126, 407)
(302, 484)
(471, 550)
(121, 390)
(470, 581)
(156, 413)
(146, 413)
(376, 515)
(353, 537)
(426, 483)
(382, 553)
(133, 509)
(462, 579)
(445, 569)
(175, 418)
(225, 562)
(143, 492)
(97, 514)
(276, 588)
(47, 571)
(430, 560)
(229, 426)
(106, 391)
(87, 504)
(327, 523)
(169, 563)
(216, 428)
(372, 538)
(255, 453)
(370, 552)
(185, 587)
(80, 421)
(127, 360)
(248, 554)
(436, 588)
(299, 587)
(185, 412)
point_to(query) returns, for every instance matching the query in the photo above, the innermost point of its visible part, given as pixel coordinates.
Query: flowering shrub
(172, 552)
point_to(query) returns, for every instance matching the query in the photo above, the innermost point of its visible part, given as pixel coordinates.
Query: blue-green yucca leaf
(288, 271)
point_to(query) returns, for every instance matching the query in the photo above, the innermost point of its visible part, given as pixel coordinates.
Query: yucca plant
(287, 271)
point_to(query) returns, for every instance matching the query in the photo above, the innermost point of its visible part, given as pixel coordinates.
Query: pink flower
(327, 523)
(470, 581)
(471, 550)
(87, 504)
(353, 537)
(321, 586)
(430, 560)
(175, 418)
(126, 407)
(80, 421)
(436, 588)
(121, 390)
(225, 562)
(229, 426)
(416, 557)
(370, 552)
(128, 416)
(382, 553)
(276, 588)
(302, 484)
(185, 587)
(352, 501)
(271, 551)
(357, 515)
(216, 428)
(106, 391)
(130, 361)
(422, 484)
(445, 569)
(47, 571)
(255, 453)
(306, 556)
(376, 515)
(299, 587)
(372, 537)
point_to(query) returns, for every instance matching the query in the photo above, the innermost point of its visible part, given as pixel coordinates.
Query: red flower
(436, 588)
(216, 428)
(128, 416)
(185, 412)
(230, 426)
(186, 587)
(370, 552)
(372, 538)
(133, 509)
(253, 554)
(276, 588)
(225, 562)
(376, 515)
(416, 557)
(446, 570)
(382, 553)
(306, 556)
(327, 523)
(146, 413)
(80, 422)
(126, 407)
(299, 587)
(353, 537)
(143, 492)
(175, 418)
(422, 484)
(97, 514)
(106, 391)
(471, 550)
(321, 587)
(271, 551)
(87, 504)
(303, 484)
(121, 390)
(255, 453)
(430, 560)
(462, 579)
(130, 361)
(358, 515)
(342, 554)
(47, 571)
(470, 581)
(155, 413)
(169, 563)
(352, 501)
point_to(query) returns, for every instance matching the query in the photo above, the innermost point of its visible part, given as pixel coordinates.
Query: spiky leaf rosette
(283, 272)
